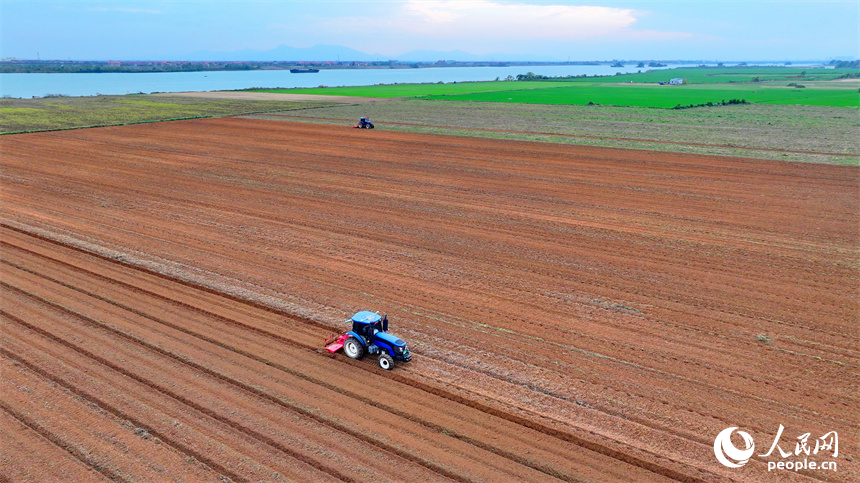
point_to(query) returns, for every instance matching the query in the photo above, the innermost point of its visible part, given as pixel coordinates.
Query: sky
(724, 30)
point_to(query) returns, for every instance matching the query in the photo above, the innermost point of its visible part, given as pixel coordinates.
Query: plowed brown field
(582, 314)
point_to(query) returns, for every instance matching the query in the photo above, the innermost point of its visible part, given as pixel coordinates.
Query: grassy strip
(45, 114)
(647, 146)
(723, 75)
(418, 90)
(759, 131)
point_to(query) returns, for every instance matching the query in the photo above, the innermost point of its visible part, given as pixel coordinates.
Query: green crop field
(759, 85)
(667, 96)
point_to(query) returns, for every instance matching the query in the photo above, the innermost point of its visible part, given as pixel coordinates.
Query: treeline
(107, 67)
(846, 64)
(730, 102)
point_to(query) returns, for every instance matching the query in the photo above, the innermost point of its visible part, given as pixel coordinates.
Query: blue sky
(555, 30)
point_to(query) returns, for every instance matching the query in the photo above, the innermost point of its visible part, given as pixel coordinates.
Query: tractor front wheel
(353, 348)
(386, 361)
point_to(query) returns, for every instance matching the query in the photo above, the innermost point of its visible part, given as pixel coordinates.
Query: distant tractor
(369, 335)
(364, 123)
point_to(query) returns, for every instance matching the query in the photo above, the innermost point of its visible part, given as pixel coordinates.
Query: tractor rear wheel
(353, 348)
(386, 361)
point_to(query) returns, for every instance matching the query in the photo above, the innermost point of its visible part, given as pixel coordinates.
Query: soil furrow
(460, 433)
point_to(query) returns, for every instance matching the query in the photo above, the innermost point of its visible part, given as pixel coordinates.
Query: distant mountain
(459, 55)
(338, 52)
(287, 53)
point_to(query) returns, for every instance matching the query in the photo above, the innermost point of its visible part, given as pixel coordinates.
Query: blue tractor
(369, 335)
(364, 123)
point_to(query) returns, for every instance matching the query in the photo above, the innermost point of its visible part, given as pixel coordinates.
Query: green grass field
(759, 85)
(667, 96)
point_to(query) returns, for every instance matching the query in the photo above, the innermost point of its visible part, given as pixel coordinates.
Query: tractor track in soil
(544, 349)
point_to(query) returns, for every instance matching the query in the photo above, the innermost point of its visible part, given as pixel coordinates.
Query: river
(38, 85)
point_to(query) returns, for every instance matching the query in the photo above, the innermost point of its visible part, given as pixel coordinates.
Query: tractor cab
(367, 323)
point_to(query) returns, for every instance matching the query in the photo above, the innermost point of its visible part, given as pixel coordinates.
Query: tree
(530, 76)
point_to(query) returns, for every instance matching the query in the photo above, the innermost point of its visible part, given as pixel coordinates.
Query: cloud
(482, 27)
(656, 35)
(488, 19)
(478, 26)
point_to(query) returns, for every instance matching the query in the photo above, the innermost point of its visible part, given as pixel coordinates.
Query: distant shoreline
(91, 67)
(95, 67)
